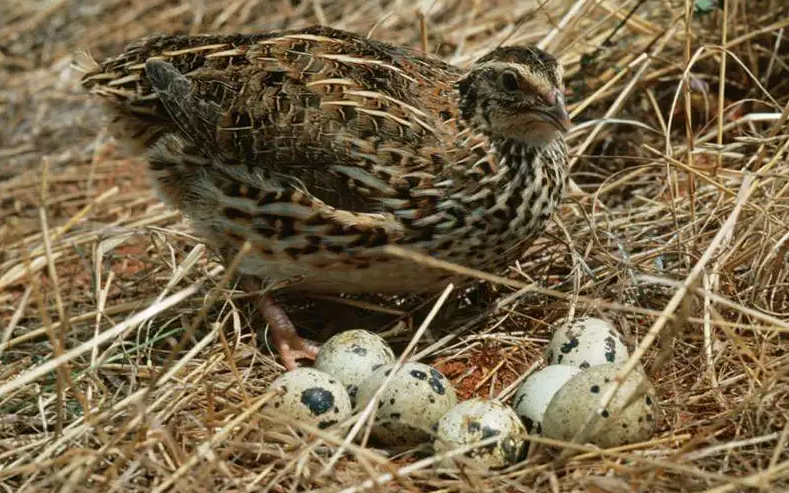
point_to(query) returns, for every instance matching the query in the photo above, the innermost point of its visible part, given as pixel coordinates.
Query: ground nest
(128, 363)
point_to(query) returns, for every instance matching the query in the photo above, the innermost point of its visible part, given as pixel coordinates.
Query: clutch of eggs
(583, 357)
(412, 402)
(353, 366)
(324, 395)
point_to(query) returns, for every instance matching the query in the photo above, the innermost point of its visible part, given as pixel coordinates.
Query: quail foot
(320, 147)
(284, 337)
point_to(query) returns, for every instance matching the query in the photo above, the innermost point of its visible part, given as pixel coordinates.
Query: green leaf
(704, 7)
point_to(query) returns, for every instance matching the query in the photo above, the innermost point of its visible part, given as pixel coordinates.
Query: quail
(318, 147)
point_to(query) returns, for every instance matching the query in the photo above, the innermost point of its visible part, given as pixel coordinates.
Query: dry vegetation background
(676, 229)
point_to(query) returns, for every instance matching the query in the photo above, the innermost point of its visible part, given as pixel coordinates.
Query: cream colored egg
(534, 394)
(411, 404)
(311, 396)
(475, 420)
(352, 356)
(617, 425)
(586, 342)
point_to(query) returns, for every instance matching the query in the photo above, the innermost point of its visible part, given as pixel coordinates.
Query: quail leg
(289, 345)
(286, 341)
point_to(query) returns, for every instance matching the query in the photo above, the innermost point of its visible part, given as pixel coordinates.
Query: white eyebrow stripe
(537, 82)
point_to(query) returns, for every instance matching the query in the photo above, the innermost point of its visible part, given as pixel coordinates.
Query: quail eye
(509, 81)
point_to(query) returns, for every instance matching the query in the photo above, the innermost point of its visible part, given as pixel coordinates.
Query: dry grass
(128, 366)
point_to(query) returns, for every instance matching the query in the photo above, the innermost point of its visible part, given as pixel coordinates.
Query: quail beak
(556, 113)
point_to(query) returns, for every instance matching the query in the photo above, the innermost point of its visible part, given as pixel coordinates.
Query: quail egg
(352, 356)
(580, 396)
(534, 394)
(312, 396)
(476, 419)
(410, 405)
(586, 342)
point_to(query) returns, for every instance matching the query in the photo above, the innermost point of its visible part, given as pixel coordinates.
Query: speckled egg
(586, 342)
(312, 396)
(352, 356)
(570, 407)
(534, 394)
(411, 404)
(477, 419)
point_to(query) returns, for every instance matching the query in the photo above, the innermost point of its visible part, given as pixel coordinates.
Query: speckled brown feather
(320, 146)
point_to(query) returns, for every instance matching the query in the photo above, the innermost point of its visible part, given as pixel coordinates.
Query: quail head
(319, 147)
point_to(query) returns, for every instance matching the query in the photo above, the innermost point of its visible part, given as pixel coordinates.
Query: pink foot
(287, 342)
